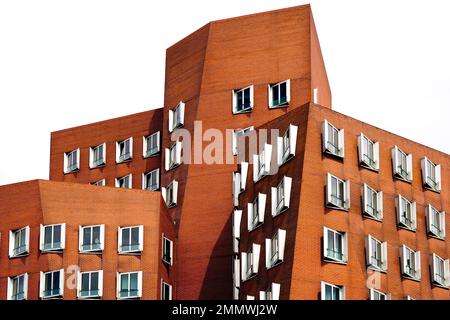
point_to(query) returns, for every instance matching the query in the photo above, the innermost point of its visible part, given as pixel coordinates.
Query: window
(129, 285)
(237, 134)
(372, 203)
(275, 249)
(281, 196)
(52, 237)
(176, 116)
(332, 140)
(90, 284)
(131, 239)
(243, 100)
(124, 182)
(410, 263)
(99, 183)
(91, 238)
(402, 164)
(167, 250)
(72, 161)
(439, 271)
(435, 222)
(334, 246)
(331, 292)
(170, 194)
(431, 175)
(18, 287)
(250, 262)
(19, 242)
(124, 150)
(378, 295)
(368, 153)
(376, 254)
(286, 145)
(97, 156)
(151, 145)
(150, 180)
(52, 284)
(256, 211)
(272, 293)
(173, 156)
(262, 162)
(166, 291)
(406, 213)
(279, 94)
(338, 193)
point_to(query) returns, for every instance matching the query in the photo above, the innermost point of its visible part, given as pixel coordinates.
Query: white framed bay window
(376, 254)
(170, 194)
(172, 156)
(166, 290)
(131, 240)
(97, 156)
(435, 222)
(72, 161)
(52, 238)
(402, 164)
(378, 295)
(91, 239)
(439, 269)
(151, 144)
(410, 263)
(372, 203)
(286, 145)
(124, 150)
(18, 287)
(337, 193)
(406, 213)
(279, 94)
(150, 180)
(262, 163)
(129, 285)
(176, 116)
(330, 291)
(237, 136)
(19, 242)
(332, 140)
(250, 262)
(167, 250)
(256, 211)
(431, 175)
(90, 284)
(368, 153)
(281, 196)
(275, 249)
(242, 100)
(51, 285)
(125, 182)
(272, 293)
(335, 246)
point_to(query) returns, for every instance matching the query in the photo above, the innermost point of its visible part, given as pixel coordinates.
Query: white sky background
(68, 63)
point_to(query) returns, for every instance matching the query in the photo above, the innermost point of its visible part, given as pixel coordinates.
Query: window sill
(124, 161)
(286, 160)
(98, 166)
(250, 277)
(56, 297)
(331, 260)
(279, 106)
(408, 277)
(364, 165)
(73, 171)
(376, 269)
(368, 216)
(20, 255)
(280, 212)
(130, 253)
(426, 187)
(166, 262)
(174, 166)
(405, 228)
(398, 177)
(243, 111)
(333, 154)
(57, 251)
(256, 227)
(431, 235)
(129, 298)
(275, 265)
(331, 206)
(89, 298)
(91, 252)
(153, 155)
(438, 285)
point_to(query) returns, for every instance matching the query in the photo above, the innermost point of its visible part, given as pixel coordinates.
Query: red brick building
(327, 208)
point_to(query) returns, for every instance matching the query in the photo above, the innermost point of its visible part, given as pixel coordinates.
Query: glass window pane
(125, 237)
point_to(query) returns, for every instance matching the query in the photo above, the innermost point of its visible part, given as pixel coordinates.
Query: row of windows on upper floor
(52, 239)
(124, 153)
(89, 285)
(150, 181)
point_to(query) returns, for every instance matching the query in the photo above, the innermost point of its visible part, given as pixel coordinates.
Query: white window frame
(276, 86)
(250, 262)
(275, 247)
(382, 251)
(410, 263)
(26, 245)
(42, 243)
(122, 158)
(323, 286)
(169, 286)
(437, 231)
(56, 295)
(99, 183)
(130, 181)
(146, 152)
(369, 210)
(176, 116)
(431, 183)
(167, 243)
(365, 159)
(139, 285)
(10, 289)
(402, 220)
(171, 201)
(234, 99)
(286, 145)
(272, 293)
(173, 156)
(438, 279)
(262, 163)
(402, 168)
(75, 167)
(237, 134)
(344, 246)
(281, 196)
(140, 245)
(99, 294)
(102, 161)
(373, 293)
(332, 200)
(256, 211)
(329, 147)
(92, 249)
(144, 179)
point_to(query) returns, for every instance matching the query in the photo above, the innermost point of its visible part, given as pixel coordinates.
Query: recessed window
(169, 194)
(272, 293)
(431, 175)
(250, 262)
(150, 180)
(256, 211)
(372, 203)
(124, 150)
(376, 254)
(402, 164)
(275, 249)
(410, 263)
(176, 116)
(97, 156)
(90, 285)
(19, 242)
(166, 291)
(243, 100)
(131, 239)
(129, 285)
(368, 152)
(151, 145)
(378, 295)
(330, 291)
(99, 183)
(439, 271)
(435, 222)
(18, 287)
(124, 182)
(406, 213)
(92, 238)
(52, 284)
(52, 237)
(237, 134)
(72, 161)
(338, 193)
(173, 156)
(334, 245)
(167, 250)
(262, 162)
(332, 140)
(286, 145)
(279, 94)
(281, 196)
